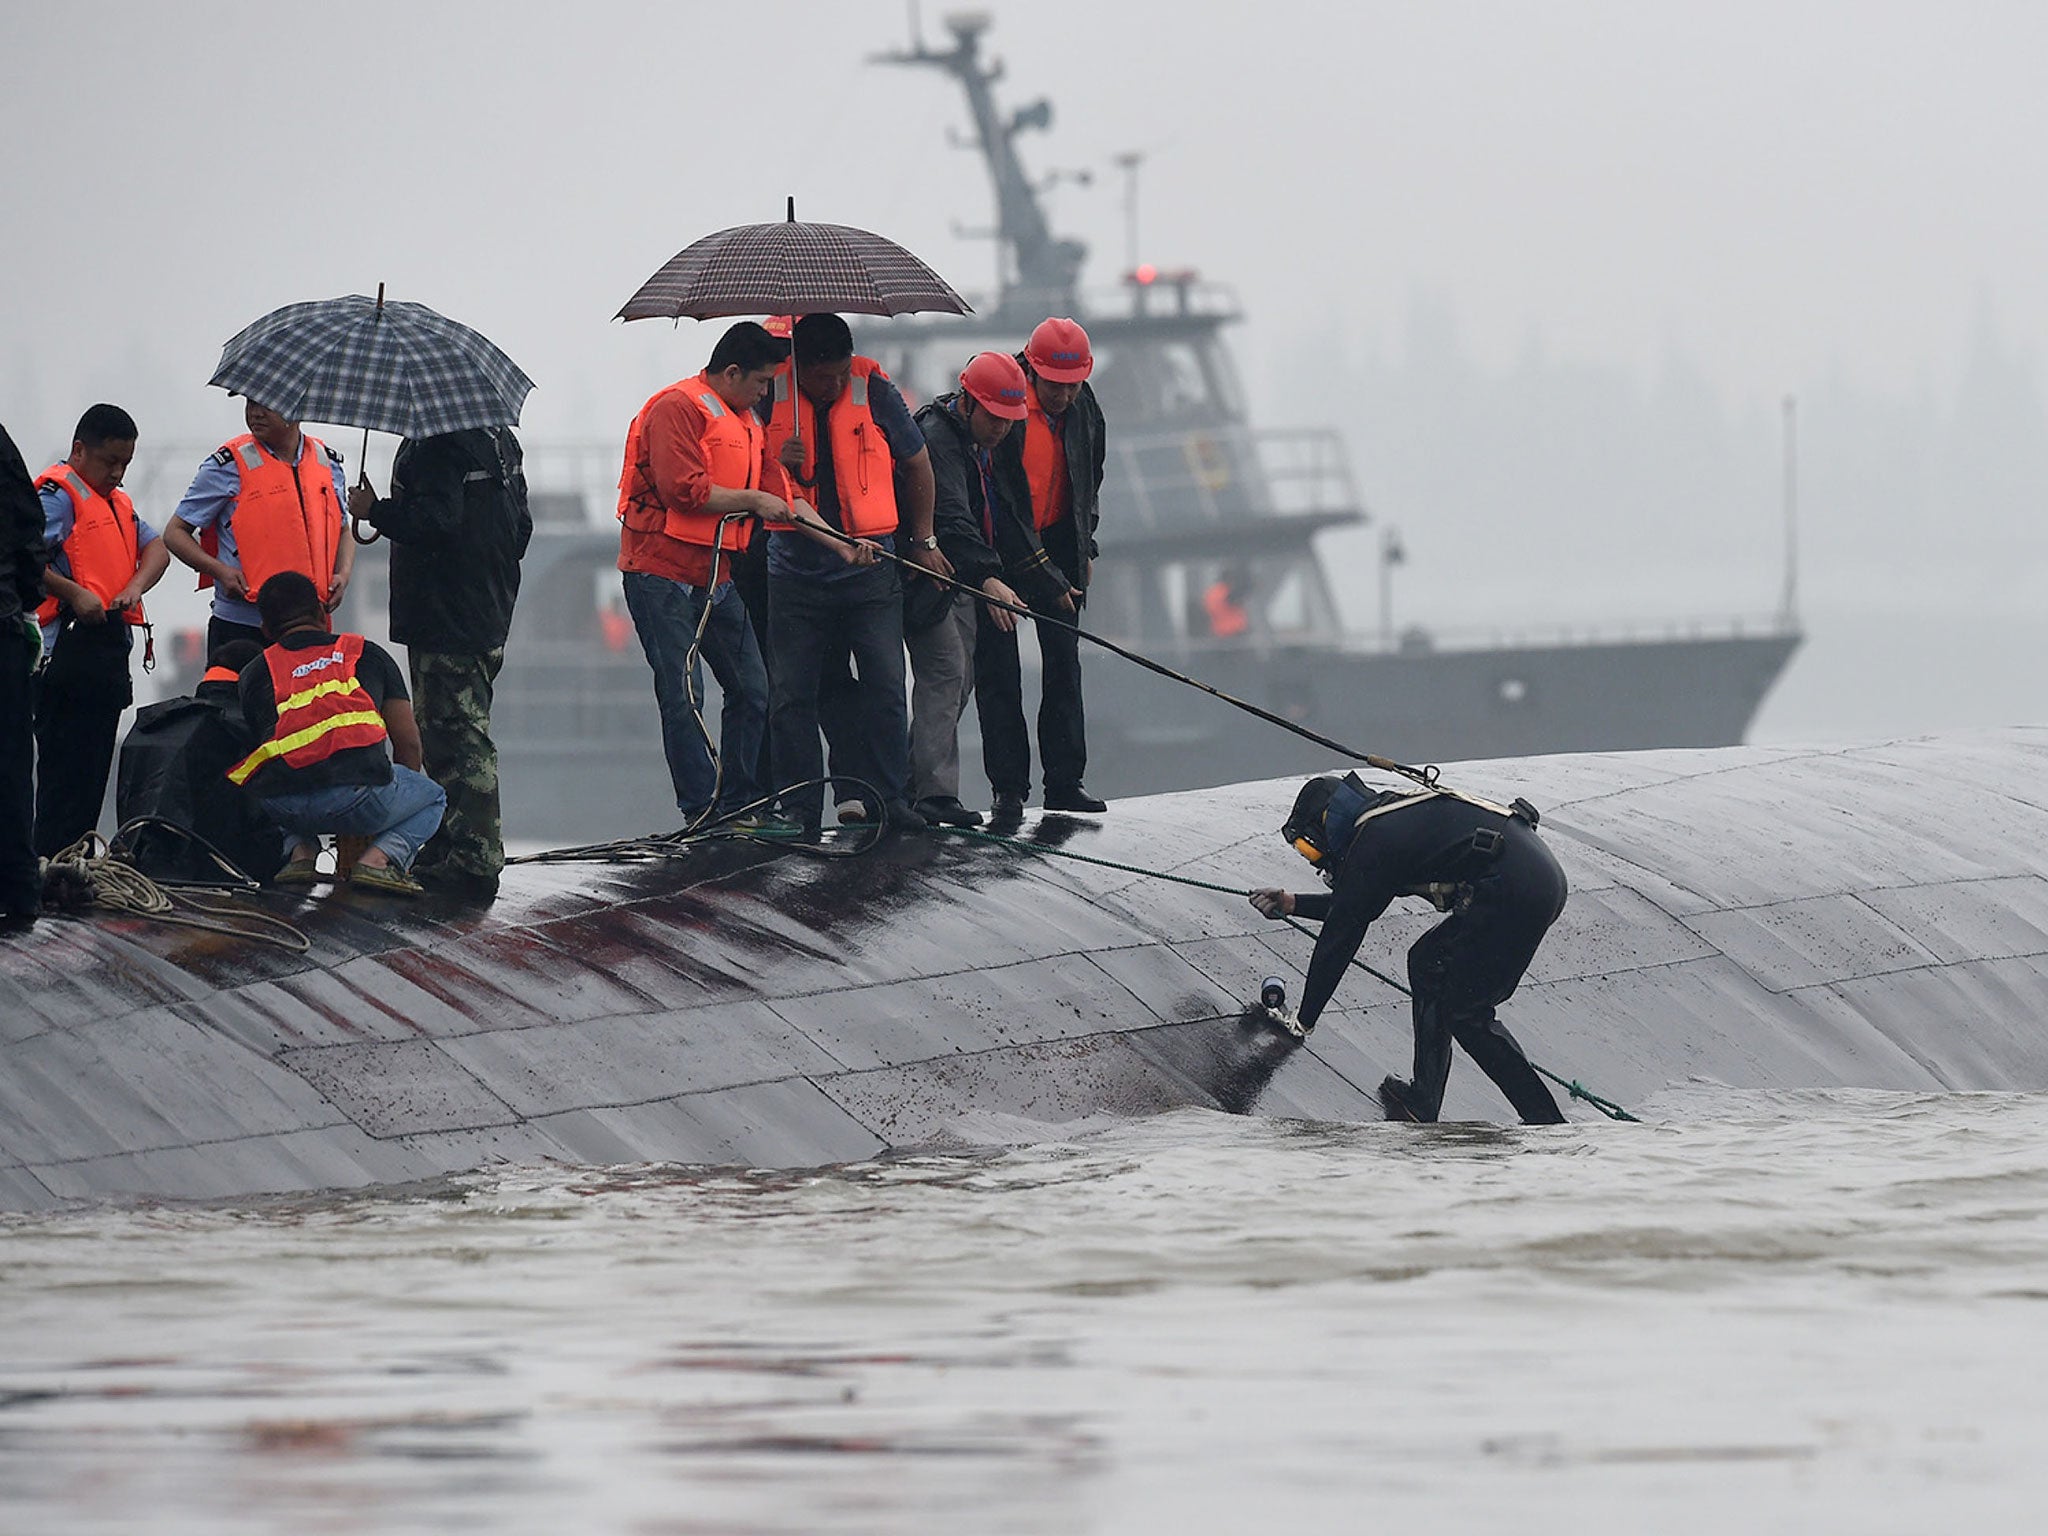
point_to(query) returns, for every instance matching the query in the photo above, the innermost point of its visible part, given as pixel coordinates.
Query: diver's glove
(1285, 1018)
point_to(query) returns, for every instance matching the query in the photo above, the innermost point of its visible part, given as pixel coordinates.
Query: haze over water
(1758, 1313)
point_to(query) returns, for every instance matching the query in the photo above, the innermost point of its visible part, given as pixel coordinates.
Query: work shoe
(901, 817)
(766, 824)
(1072, 797)
(464, 884)
(947, 811)
(386, 879)
(855, 813)
(1008, 809)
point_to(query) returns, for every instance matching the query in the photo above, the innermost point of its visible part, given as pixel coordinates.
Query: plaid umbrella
(792, 269)
(360, 362)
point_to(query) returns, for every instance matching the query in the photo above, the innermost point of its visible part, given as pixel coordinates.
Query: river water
(1808, 1312)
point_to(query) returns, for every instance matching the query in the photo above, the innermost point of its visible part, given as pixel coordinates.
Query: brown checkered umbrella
(792, 269)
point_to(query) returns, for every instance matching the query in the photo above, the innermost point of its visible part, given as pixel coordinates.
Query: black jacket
(458, 524)
(958, 505)
(1068, 545)
(21, 535)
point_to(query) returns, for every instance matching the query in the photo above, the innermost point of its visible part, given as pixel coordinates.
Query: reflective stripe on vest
(286, 516)
(863, 469)
(102, 548)
(319, 711)
(731, 444)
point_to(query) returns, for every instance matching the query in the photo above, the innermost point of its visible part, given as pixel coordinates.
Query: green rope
(1607, 1107)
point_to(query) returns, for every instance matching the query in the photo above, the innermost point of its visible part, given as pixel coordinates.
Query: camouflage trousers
(451, 697)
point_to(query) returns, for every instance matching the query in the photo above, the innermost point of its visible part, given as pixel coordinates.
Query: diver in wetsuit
(1482, 864)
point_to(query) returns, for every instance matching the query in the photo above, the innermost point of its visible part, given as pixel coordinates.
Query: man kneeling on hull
(1483, 864)
(331, 712)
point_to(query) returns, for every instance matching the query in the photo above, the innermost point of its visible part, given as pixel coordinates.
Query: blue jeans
(398, 817)
(665, 614)
(861, 613)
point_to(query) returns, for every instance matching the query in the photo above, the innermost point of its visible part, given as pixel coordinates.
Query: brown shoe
(386, 878)
(298, 872)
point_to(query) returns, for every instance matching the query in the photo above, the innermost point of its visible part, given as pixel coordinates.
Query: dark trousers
(861, 613)
(20, 889)
(999, 702)
(1471, 963)
(665, 615)
(220, 631)
(451, 698)
(79, 700)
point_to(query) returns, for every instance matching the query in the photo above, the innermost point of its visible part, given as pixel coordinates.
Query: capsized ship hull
(1767, 918)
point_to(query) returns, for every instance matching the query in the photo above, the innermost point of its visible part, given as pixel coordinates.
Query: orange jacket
(1045, 465)
(322, 708)
(102, 547)
(287, 517)
(731, 444)
(220, 675)
(862, 466)
(1227, 616)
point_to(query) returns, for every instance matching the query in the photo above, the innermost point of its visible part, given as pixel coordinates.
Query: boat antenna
(1048, 268)
(1128, 162)
(1788, 603)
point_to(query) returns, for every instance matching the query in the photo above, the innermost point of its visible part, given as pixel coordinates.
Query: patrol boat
(1209, 564)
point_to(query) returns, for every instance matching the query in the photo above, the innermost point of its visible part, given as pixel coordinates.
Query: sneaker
(1072, 797)
(947, 811)
(765, 824)
(902, 818)
(855, 813)
(386, 879)
(1008, 809)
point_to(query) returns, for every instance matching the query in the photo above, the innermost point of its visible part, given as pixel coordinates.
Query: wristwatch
(929, 541)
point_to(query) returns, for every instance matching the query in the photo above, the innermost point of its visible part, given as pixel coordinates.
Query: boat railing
(1196, 477)
(1416, 640)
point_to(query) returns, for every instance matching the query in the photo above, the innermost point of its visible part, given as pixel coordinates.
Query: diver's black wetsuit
(1466, 966)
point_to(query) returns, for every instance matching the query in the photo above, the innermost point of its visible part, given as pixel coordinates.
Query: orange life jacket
(220, 675)
(732, 456)
(1227, 616)
(1045, 466)
(322, 707)
(102, 545)
(862, 467)
(287, 517)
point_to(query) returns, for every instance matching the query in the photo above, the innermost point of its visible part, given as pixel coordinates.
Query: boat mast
(1048, 268)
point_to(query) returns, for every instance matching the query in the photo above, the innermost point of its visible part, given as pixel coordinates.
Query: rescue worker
(458, 523)
(21, 589)
(961, 431)
(863, 462)
(102, 558)
(339, 749)
(1054, 468)
(1482, 863)
(270, 500)
(695, 454)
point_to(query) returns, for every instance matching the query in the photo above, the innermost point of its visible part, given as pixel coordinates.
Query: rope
(1425, 776)
(1606, 1106)
(710, 828)
(90, 867)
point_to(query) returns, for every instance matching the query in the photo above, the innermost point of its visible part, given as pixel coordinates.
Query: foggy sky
(1604, 201)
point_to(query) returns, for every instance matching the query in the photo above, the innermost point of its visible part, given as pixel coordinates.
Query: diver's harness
(1474, 853)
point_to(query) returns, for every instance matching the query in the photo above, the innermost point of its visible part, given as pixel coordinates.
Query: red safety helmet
(1058, 351)
(996, 383)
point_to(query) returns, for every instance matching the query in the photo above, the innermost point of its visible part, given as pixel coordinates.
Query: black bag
(174, 767)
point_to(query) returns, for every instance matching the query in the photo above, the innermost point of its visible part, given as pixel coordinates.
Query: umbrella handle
(355, 524)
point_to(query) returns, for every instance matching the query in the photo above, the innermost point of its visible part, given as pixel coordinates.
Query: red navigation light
(1145, 275)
